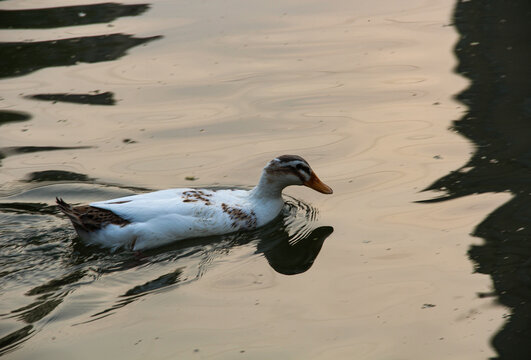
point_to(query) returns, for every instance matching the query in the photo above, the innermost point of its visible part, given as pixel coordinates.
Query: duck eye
(303, 168)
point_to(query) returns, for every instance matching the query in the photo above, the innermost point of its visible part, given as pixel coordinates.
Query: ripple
(43, 258)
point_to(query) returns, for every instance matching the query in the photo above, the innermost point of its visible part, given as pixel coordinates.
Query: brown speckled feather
(239, 217)
(89, 218)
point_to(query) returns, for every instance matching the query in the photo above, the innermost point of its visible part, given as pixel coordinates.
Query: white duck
(153, 219)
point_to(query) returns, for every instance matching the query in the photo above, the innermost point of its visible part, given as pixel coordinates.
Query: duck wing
(145, 207)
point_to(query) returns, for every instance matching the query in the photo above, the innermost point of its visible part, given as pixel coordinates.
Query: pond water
(403, 108)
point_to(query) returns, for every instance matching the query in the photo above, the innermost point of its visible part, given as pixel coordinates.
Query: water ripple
(44, 263)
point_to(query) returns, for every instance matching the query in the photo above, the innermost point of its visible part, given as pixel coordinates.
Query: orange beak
(318, 185)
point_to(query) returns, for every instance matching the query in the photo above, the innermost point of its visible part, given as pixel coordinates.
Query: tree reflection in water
(23, 58)
(493, 52)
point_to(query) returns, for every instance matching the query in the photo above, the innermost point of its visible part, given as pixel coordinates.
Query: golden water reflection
(362, 90)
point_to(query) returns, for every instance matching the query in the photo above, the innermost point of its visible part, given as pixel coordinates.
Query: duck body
(144, 221)
(164, 216)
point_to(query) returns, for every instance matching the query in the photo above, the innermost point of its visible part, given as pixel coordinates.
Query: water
(492, 53)
(105, 100)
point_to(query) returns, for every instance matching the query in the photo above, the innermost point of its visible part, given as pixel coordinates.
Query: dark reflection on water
(106, 98)
(56, 175)
(294, 255)
(21, 58)
(17, 150)
(40, 266)
(42, 257)
(55, 17)
(8, 116)
(27, 208)
(290, 245)
(494, 52)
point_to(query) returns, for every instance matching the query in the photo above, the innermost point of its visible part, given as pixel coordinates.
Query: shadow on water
(17, 150)
(38, 243)
(106, 98)
(36, 246)
(23, 58)
(47, 18)
(56, 175)
(7, 117)
(494, 51)
(26, 57)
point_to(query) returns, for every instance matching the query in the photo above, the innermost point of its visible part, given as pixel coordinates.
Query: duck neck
(267, 188)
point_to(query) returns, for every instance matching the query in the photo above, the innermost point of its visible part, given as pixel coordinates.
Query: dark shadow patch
(17, 150)
(37, 310)
(156, 284)
(47, 18)
(21, 58)
(14, 339)
(106, 98)
(56, 175)
(56, 284)
(28, 208)
(10, 116)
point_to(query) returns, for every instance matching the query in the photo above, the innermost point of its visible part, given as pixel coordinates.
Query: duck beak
(318, 185)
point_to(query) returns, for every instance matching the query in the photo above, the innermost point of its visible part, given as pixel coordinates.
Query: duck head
(288, 170)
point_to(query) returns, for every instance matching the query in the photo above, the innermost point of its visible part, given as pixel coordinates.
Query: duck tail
(72, 214)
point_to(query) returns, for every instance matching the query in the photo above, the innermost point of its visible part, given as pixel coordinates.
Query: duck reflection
(290, 246)
(494, 52)
(289, 256)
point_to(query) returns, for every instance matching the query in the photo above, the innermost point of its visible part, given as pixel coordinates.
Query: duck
(150, 220)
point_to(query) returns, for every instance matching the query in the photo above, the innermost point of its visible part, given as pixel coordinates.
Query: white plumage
(153, 219)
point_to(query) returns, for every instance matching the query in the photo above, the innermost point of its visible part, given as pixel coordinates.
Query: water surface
(104, 100)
